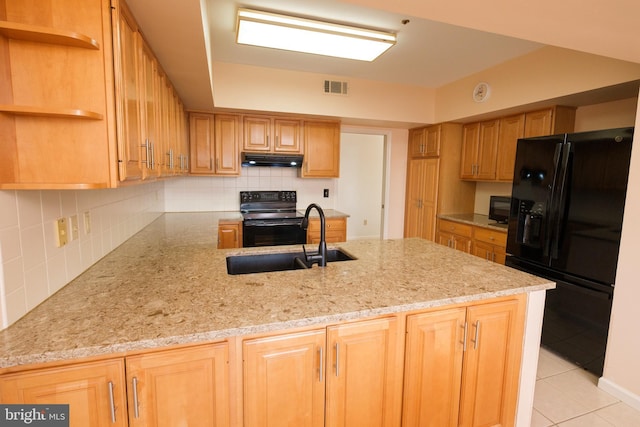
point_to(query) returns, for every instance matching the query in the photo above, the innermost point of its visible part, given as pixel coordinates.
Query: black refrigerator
(565, 222)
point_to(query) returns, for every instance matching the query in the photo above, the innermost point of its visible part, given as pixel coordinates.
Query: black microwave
(499, 207)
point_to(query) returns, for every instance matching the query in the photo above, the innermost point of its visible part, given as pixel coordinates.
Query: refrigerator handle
(561, 201)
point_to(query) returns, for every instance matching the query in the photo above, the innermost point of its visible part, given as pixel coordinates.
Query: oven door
(272, 232)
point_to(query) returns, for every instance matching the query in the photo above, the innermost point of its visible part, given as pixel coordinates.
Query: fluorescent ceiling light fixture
(305, 35)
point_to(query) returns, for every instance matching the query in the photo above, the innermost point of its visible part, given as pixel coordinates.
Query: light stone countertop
(168, 285)
(475, 219)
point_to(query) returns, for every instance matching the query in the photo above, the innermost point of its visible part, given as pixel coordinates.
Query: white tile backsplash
(222, 193)
(32, 268)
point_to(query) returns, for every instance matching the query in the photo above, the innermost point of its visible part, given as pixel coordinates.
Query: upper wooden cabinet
(511, 128)
(271, 134)
(424, 142)
(321, 150)
(214, 144)
(90, 133)
(479, 150)
(489, 148)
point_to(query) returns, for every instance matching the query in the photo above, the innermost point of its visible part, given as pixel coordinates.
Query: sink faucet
(319, 257)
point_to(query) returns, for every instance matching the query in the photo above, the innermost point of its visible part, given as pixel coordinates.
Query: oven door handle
(269, 223)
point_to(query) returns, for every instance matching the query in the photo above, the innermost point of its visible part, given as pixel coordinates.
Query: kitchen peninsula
(166, 289)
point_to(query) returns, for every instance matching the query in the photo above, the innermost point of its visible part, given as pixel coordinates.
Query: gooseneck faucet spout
(319, 257)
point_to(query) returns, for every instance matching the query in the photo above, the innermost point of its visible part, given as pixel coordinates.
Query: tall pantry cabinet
(433, 182)
(72, 114)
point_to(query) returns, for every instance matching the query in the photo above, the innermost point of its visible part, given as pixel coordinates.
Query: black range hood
(269, 159)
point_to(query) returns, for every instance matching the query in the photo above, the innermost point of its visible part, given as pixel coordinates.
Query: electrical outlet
(74, 232)
(61, 232)
(326, 192)
(87, 222)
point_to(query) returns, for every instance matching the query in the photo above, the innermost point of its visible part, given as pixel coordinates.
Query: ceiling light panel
(316, 37)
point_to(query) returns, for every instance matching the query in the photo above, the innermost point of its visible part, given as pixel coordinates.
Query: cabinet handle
(337, 360)
(136, 411)
(112, 405)
(477, 334)
(464, 338)
(146, 148)
(321, 354)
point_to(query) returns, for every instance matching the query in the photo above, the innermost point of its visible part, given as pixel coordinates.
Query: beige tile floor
(568, 396)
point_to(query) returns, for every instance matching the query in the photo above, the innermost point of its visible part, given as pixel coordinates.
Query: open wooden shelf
(50, 112)
(34, 33)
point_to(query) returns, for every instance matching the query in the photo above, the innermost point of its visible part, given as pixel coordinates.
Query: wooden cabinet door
(469, 155)
(287, 138)
(335, 230)
(432, 140)
(256, 133)
(433, 368)
(362, 373)
(417, 146)
(185, 387)
(422, 198)
(201, 131)
(321, 150)
(413, 204)
(538, 123)
(128, 97)
(284, 380)
(492, 364)
(88, 389)
(150, 111)
(511, 128)
(229, 235)
(487, 150)
(227, 143)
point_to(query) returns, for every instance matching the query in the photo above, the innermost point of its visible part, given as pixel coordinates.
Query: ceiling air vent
(335, 87)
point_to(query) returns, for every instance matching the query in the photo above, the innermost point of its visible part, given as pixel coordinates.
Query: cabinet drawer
(458, 228)
(493, 237)
(333, 224)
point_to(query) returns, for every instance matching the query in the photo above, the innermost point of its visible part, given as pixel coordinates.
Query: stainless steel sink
(282, 261)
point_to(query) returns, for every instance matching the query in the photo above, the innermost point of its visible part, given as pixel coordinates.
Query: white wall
(360, 186)
(621, 372)
(32, 268)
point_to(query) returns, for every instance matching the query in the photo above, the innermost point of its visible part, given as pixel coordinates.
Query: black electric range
(270, 218)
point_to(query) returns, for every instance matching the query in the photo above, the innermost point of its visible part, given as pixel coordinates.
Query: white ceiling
(428, 53)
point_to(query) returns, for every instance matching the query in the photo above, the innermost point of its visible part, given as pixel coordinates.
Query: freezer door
(592, 206)
(533, 192)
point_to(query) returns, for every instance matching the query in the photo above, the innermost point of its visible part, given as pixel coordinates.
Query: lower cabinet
(95, 391)
(462, 365)
(184, 387)
(350, 374)
(454, 366)
(188, 386)
(455, 235)
(335, 231)
(229, 234)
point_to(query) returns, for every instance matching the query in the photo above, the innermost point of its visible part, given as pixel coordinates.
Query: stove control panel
(267, 196)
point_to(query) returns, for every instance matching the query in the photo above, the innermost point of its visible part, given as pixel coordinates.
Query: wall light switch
(61, 232)
(326, 192)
